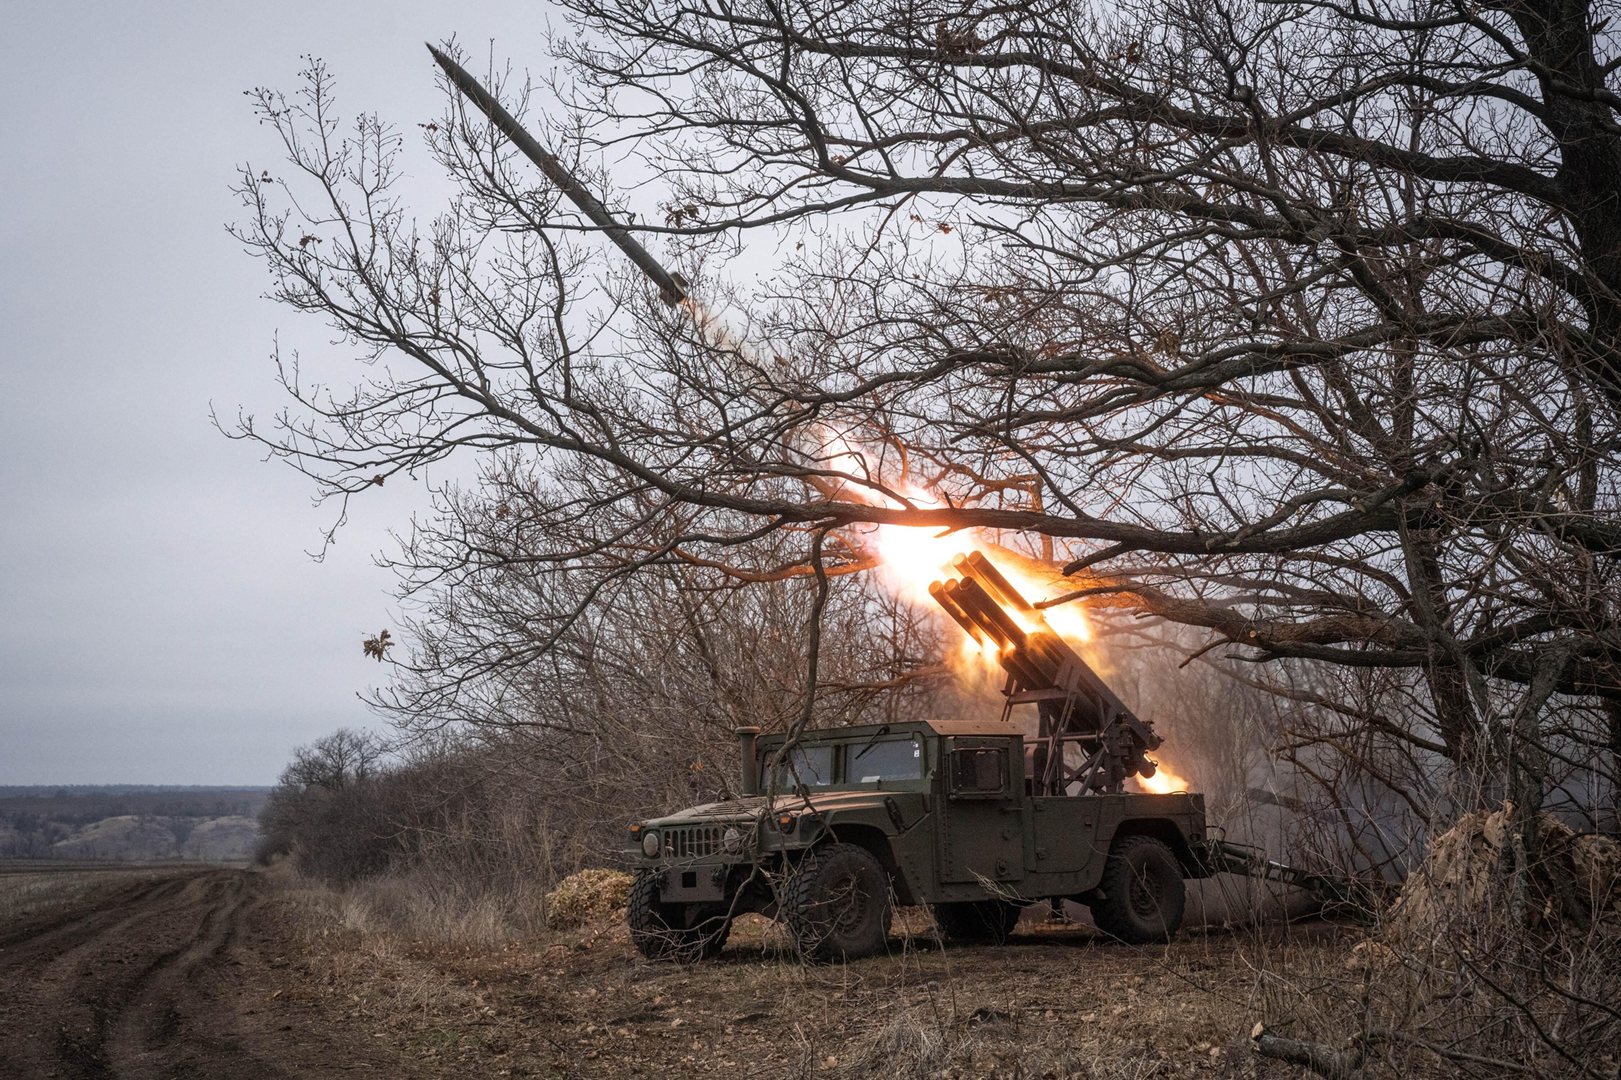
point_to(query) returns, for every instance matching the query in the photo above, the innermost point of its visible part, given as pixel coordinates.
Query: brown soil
(229, 973)
(174, 975)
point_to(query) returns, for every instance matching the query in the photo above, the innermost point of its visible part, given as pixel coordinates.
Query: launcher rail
(1088, 741)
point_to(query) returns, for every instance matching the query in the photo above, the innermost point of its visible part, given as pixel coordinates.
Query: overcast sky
(160, 621)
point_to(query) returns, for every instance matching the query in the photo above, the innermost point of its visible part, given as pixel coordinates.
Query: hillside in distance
(130, 822)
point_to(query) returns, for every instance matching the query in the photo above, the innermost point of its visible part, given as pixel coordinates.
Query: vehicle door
(982, 827)
(1066, 829)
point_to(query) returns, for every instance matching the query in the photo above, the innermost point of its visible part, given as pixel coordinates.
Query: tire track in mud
(148, 984)
(38, 935)
(73, 980)
(158, 1032)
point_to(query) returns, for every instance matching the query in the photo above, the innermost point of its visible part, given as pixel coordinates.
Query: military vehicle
(940, 813)
(974, 818)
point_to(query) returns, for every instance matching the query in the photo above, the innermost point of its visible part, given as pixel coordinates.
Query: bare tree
(341, 759)
(1295, 323)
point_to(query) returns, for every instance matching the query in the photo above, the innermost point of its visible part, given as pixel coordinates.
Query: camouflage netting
(1573, 885)
(1489, 956)
(586, 897)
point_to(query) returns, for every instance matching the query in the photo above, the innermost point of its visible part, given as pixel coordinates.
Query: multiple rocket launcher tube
(1075, 706)
(979, 599)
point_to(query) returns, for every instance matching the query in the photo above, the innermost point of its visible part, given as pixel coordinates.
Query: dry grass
(1058, 1002)
(420, 907)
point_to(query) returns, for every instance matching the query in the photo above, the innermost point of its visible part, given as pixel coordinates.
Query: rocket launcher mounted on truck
(1076, 708)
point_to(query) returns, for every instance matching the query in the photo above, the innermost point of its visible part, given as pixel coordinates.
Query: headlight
(732, 839)
(650, 844)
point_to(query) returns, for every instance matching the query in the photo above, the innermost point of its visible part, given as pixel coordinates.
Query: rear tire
(1142, 892)
(837, 904)
(982, 921)
(679, 932)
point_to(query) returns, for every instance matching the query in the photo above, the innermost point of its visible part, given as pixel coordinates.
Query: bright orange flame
(913, 557)
(1163, 782)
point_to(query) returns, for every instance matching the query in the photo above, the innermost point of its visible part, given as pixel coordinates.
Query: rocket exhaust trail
(673, 288)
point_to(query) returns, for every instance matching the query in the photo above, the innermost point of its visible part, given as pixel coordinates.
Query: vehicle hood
(733, 810)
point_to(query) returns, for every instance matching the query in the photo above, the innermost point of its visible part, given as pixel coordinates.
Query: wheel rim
(850, 903)
(1146, 894)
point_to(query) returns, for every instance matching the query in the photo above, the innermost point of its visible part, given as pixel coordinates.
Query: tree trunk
(1558, 36)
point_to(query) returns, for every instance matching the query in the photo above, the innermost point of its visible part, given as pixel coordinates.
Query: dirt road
(167, 976)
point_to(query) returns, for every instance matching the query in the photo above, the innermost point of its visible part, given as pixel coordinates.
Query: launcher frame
(1075, 707)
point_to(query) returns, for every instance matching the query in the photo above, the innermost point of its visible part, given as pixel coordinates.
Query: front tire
(679, 932)
(837, 904)
(1142, 892)
(980, 921)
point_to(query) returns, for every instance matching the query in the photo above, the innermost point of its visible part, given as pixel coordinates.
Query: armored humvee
(974, 818)
(947, 814)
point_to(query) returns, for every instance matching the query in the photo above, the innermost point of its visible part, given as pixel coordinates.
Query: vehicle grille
(693, 841)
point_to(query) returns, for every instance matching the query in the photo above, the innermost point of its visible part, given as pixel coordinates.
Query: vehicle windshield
(808, 766)
(890, 759)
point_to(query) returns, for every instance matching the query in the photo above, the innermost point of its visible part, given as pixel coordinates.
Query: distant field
(34, 888)
(129, 823)
(59, 867)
